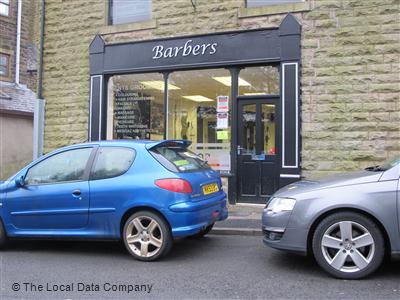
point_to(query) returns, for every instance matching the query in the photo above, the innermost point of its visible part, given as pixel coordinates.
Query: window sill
(128, 27)
(247, 12)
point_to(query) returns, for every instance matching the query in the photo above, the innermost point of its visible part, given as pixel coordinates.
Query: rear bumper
(188, 218)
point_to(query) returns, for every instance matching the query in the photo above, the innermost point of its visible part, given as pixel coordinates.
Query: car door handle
(76, 192)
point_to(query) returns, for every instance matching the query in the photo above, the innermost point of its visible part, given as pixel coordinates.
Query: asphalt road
(215, 267)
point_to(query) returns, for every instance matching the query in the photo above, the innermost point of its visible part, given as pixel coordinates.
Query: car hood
(338, 180)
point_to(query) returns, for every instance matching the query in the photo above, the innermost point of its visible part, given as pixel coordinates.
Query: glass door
(256, 149)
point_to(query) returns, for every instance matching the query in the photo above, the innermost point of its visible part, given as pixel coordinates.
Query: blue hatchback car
(144, 192)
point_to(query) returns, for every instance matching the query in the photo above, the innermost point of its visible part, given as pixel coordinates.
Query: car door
(109, 187)
(55, 193)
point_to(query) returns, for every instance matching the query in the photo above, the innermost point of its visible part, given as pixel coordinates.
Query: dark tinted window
(65, 166)
(112, 162)
(179, 159)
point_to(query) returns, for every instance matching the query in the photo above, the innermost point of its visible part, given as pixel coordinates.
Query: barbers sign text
(187, 49)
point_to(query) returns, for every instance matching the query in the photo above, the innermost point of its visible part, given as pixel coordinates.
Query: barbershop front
(235, 95)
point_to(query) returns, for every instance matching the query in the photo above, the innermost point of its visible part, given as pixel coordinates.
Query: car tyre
(147, 236)
(203, 232)
(348, 245)
(3, 235)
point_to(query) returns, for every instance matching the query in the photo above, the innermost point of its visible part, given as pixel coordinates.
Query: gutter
(18, 48)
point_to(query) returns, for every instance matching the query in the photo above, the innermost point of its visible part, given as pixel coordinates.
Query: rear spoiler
(169, 143)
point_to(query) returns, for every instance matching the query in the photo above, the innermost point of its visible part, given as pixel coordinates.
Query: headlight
(280, 204)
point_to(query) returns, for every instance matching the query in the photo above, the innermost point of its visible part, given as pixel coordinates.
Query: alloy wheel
(348, 246)
(144, 236)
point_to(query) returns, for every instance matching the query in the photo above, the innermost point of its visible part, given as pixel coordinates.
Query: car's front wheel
(147, 236)
(348, 245)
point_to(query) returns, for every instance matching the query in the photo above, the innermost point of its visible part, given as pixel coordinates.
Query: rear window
(178, 159)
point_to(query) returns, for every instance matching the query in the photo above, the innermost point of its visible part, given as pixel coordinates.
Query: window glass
(255, 3)
(259, 80)
(123, 11)
(66, 166)
(4, 65)
(182, 159)
(4, 7)
(136, 107)
(112, 162)
(268, 129)
(249, 129)
(199, 110)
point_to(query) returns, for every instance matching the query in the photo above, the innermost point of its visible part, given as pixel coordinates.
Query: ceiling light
(253, 94)
(226, 80)
(159, 85)
(198, 98)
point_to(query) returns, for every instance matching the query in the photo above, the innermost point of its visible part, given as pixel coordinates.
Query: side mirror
(20, 181)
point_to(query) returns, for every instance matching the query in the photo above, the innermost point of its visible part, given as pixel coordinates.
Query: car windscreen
(178, 159)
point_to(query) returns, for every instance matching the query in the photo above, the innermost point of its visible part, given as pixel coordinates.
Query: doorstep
(243, 219)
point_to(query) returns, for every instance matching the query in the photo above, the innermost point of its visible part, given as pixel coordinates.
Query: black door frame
(259, 99)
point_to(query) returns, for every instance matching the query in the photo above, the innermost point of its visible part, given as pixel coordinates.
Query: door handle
(76, 192)
(239, 150)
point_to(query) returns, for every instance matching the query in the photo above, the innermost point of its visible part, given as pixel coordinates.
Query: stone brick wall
(350, 85)
(350, 69)
(70, 27)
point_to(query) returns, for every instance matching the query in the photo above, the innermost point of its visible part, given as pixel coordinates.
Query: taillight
(176, 185)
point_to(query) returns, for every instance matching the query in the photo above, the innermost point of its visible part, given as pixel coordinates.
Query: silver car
(348, 222)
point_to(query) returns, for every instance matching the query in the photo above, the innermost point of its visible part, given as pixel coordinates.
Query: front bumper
(277, 234)
(188, 218)
(292, 240)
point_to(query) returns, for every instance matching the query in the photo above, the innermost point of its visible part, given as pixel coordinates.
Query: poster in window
(132, 115)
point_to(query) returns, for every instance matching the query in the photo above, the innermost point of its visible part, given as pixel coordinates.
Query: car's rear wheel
(147, 236)
(203, 232)
(348, 245)
(3, 235)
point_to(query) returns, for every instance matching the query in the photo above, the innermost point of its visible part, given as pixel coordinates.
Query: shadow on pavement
(306, 264)
(182, 248)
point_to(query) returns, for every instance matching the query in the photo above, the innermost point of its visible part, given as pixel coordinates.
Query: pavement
(214, 267)
(243, 219)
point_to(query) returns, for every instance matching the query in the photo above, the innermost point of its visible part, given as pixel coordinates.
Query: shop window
(122, 11)
(5, 7)
(256, 3)
(199, 110)
(136, 107)
(255, 81)
(4, 65)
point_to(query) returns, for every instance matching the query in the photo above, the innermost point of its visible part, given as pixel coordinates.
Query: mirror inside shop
(199, 107)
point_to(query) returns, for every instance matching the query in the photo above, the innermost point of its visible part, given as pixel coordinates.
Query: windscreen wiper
(376, 168)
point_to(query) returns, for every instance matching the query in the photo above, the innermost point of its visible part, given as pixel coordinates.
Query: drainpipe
(18, 49)
(39, 113)
(40, 80)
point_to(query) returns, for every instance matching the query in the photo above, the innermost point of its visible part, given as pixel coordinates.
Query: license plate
(210, 188)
